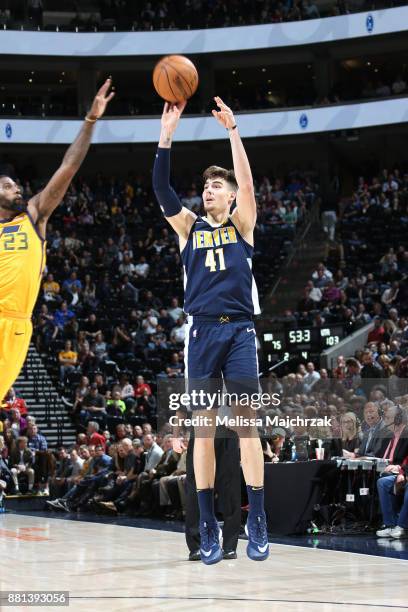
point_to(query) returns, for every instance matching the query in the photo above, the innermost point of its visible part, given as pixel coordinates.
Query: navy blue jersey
(218, 276)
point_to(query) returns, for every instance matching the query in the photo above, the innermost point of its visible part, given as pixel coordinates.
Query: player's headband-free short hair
(217, 172)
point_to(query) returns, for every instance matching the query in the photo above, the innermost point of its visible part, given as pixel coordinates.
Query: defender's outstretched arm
(43, 204)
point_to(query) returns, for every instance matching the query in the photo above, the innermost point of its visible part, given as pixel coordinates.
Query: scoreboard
(281, 343)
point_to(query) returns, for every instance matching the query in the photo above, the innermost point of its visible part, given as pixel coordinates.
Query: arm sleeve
(165, 194)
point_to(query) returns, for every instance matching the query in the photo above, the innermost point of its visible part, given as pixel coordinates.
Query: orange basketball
(175, 78)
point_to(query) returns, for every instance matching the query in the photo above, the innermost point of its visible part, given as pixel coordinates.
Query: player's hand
(171, 115)
(224, 116)
(101, 100)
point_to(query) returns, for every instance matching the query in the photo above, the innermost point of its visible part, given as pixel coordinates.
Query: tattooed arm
(43, 204)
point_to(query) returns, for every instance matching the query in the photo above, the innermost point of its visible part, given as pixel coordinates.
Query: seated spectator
(93, 407)
(392, 487)
(51, 289)
(127, 392)
(113, 498)
(18, 424)
(141, 386)
(94, 438)
(175, 368)
(393, 496)
(80, 392)
(58, 484)
(175, 311)
(62, 315)
(311, 377)
(97, 475)
(68, 360)
(21, 463)
(165, 467)
(115, 408)
(349, 432)
(12, 401)
(376, 334)
(44, 462)
(178, 332)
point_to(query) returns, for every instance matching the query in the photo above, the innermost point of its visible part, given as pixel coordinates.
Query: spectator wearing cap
(93, 406)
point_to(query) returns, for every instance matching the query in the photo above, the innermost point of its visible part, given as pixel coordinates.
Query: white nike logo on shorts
(249, 330)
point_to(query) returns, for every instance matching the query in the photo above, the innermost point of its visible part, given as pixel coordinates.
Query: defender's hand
(224, 116)
(171, 115)
(101, 100)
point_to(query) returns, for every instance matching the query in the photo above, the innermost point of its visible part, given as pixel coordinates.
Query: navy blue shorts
(218, 354)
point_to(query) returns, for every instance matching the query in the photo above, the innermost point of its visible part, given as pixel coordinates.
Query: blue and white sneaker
(255, 529)
(210, 549)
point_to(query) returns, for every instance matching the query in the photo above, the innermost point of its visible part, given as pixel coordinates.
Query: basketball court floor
(113, 567)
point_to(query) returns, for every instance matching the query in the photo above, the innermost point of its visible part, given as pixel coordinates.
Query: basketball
(175, 78)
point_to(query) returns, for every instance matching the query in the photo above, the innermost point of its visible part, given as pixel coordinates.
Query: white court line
(347, 552)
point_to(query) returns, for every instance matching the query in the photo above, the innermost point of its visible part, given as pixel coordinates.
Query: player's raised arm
(180, 218)
(42, 205)
(246, 203)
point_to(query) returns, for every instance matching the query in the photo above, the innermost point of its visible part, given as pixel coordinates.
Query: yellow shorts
(15, 335)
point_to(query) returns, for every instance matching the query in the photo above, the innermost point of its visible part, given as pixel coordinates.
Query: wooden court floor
(116, 568)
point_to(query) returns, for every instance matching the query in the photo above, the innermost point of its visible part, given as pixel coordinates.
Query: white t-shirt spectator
(127, 268)
(315, 294)
(142, 269)
(149, 325)
(178, 334)
(175, 313)
(310, 379)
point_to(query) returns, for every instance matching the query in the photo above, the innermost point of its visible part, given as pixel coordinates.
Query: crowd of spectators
(110, 15)
(24, 452)
(365, 276)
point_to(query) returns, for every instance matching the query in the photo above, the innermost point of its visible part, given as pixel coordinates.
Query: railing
(301, 234)
(42, 389)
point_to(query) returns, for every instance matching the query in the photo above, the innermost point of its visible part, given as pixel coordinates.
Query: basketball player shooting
(220, 300)
(22, 245)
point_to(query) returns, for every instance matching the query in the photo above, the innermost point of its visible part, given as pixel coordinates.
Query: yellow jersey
(22, 262)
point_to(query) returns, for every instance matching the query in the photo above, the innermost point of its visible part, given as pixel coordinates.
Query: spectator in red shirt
(94, 437)
(376, 334)
(140, 386)
(12, 401)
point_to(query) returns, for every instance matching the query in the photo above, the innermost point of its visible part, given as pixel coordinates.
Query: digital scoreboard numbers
(302, 342)
(331, 336)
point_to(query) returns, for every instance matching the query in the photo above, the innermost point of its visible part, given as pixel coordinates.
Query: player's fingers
(221, 104)
(166, 108)
(102, 91)
(111, 95)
